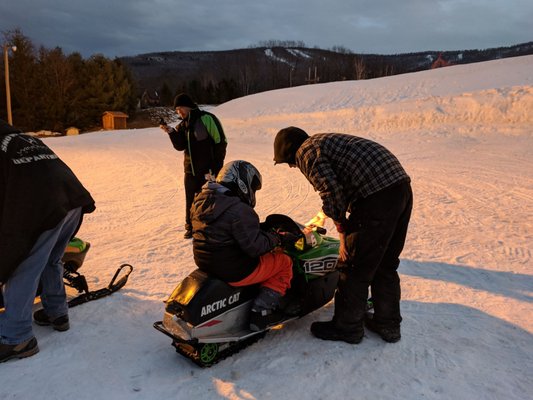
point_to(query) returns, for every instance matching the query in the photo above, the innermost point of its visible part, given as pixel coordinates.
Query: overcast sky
(118, 28)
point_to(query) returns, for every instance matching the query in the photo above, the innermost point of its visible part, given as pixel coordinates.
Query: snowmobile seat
(201, 297)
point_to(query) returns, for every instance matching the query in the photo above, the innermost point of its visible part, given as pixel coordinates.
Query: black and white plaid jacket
(344, 168)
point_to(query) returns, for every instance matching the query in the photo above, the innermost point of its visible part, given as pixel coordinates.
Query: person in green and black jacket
(201, 137)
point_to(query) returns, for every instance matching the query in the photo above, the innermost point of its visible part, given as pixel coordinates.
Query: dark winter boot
(328, 330)
(60, 324)
(267, 299)
(265, 311)
(264, 319)
(390, 334)
(22, 350)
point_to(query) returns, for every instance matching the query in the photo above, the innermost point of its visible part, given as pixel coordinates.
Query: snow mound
(475, 97)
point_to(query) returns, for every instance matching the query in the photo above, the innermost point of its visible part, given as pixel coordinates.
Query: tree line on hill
(219, 76)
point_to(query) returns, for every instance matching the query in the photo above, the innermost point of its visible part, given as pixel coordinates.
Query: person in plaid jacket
(367, 193)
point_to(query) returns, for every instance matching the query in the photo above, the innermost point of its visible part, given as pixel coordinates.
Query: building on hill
(150, 99)
(440, 62)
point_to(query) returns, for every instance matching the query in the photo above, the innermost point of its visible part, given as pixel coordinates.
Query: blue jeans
(43, 264)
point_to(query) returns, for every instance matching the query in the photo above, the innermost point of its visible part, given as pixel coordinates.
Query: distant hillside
(219, 76)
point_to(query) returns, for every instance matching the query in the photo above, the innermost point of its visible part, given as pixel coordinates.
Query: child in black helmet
(229, 243)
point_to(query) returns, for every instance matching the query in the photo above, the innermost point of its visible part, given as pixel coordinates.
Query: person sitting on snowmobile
(229, 243)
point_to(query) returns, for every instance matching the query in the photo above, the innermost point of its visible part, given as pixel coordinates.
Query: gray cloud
(119, 28)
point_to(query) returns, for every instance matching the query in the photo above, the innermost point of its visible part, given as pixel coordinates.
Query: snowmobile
(73, 259)
(208, 320)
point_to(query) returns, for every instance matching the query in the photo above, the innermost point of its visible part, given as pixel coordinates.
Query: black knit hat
(184, 100)
(287, 143)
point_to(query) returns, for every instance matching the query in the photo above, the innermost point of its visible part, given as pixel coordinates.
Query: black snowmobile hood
(213, 201)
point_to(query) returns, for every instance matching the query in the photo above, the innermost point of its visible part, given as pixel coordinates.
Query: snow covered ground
(465, 136)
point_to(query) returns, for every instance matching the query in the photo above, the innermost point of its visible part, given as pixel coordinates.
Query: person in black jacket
(359, 177)
(228, 241)
(41, 206)
(201, 137)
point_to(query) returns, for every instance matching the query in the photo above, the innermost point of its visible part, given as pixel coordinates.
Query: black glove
(287, 239)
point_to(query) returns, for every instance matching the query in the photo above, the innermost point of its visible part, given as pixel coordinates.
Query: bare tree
(360, 68)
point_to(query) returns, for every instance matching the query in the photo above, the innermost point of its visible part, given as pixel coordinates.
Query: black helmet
(242, 178)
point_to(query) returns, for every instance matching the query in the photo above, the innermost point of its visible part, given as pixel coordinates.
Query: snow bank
(472, 97)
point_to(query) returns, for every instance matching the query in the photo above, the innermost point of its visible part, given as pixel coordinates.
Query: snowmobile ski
(77, 281)
(73, 259)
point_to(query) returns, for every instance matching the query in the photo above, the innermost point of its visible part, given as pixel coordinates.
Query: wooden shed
(114, 120)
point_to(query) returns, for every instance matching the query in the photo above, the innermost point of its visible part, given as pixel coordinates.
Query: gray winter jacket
(227, 239)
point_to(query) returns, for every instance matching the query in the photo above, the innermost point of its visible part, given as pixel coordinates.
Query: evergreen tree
(58, 83)
(165, 96)
(53, 91)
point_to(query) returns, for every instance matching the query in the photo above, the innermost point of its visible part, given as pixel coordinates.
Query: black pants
(375, 237)
(193, 185)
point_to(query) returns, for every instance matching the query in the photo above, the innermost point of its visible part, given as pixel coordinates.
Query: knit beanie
(287, 143)
(184, 100)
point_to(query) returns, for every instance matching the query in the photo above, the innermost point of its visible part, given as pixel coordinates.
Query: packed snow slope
(463, 133)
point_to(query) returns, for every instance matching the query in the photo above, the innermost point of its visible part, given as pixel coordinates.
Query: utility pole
(8, 89)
